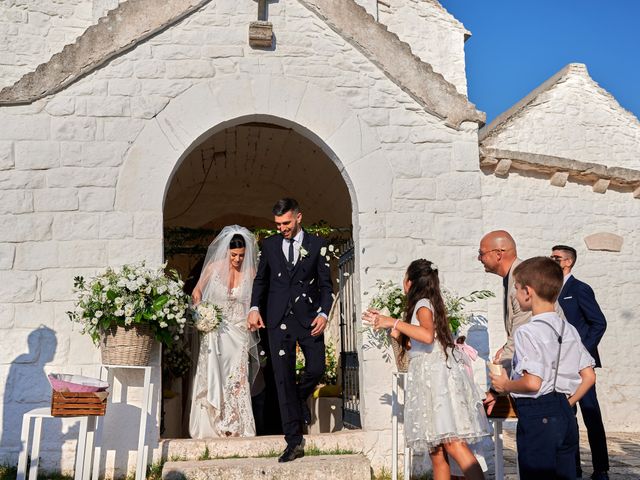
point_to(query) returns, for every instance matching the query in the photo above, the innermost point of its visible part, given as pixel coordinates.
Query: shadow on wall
(27, 387)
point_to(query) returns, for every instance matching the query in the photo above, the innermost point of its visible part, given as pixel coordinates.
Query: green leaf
(160, 302)
(111, 295)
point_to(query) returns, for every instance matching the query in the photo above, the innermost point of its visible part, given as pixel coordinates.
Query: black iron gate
(348, 339)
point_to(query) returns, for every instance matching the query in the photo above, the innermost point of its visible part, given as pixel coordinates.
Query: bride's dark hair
(237, 241)
(423, 276)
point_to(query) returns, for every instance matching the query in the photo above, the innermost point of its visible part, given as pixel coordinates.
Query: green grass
(8, 472)
(206, 455)
(385, 474)
(310, 451)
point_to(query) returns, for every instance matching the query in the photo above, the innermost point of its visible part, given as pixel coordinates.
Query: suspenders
(559, 335)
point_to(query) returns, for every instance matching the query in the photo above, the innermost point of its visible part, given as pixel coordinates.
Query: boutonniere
(303, 252)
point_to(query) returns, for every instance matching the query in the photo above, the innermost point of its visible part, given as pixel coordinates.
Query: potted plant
(125, 309)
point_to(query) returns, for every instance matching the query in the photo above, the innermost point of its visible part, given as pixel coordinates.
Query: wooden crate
(68, 404)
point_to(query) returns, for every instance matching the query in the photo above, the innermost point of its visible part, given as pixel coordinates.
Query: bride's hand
(196, 297)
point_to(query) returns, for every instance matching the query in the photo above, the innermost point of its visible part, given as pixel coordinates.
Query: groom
(293, 283)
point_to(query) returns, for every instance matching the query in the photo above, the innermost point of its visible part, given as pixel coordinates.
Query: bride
(228, 359)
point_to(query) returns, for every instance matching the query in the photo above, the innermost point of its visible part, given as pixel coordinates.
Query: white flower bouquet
(129, 296)
(207, 317)
(390, 301)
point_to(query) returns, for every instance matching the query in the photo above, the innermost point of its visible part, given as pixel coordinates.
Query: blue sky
(517, 44)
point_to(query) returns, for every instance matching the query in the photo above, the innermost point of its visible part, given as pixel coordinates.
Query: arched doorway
(233, 176)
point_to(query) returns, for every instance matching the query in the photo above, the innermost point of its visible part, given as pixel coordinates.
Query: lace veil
(214, 283)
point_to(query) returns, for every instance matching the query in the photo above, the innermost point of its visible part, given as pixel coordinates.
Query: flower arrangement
(207, 317)
(330, 376)
(455, 306)
(129, 296)
(391, 301)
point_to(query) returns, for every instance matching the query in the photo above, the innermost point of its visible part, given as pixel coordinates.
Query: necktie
(505, 300)
(291, 263)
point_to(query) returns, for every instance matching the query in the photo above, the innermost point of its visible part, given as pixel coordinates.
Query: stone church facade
(100, 144)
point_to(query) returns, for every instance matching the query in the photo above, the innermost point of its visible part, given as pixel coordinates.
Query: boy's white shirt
(536, 352)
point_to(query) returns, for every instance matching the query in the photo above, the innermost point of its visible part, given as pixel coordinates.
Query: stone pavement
(624, 455)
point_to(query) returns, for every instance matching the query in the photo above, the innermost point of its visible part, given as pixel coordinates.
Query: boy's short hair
(541, 274)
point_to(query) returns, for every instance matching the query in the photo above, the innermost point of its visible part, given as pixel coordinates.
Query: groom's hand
(254, 321)
(319, 324)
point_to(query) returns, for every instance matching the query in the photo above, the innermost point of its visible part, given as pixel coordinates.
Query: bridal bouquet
(131, 296)
(207, 317)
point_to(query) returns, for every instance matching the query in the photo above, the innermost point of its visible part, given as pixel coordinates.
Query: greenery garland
(195, 241)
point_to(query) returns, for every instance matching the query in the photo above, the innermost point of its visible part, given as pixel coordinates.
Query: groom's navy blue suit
(583, 312)
(290, 298)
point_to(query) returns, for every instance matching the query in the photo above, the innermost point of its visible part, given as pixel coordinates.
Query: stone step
(345, 441)
(321, 467)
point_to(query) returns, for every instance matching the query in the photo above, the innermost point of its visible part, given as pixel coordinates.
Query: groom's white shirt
(297, 243)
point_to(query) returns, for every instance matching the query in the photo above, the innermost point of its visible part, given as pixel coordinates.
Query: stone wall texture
(433, 34)
(31, 31)
(573, 118)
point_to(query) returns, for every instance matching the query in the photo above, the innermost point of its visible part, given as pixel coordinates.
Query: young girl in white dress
(443, 410)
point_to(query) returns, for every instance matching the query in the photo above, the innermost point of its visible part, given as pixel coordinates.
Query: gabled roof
(130, 24)
(503, 120)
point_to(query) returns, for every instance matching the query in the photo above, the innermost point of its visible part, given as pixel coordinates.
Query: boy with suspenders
(551, 371)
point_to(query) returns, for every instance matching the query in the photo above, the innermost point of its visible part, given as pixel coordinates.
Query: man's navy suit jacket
(583, 312)
(306, 290)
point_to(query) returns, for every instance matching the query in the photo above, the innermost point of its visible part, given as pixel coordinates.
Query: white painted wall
(433, 34)
(32, 31)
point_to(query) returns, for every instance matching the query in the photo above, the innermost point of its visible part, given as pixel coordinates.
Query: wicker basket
(402, 361)
(127, 345)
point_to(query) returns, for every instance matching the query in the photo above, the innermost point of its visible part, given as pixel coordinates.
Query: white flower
(281, 353)
(434, 267)
(303, 252)
(283, 326)
(118, 301)
(331, 248)
(262, 353)
(98, 313)
(163, 325)
(323, 251)
(94, 321)
(398, 301)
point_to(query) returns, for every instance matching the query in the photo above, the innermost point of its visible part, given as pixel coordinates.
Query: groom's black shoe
(291, 453)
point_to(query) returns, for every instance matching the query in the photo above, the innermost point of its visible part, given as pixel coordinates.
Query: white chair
(84, 448)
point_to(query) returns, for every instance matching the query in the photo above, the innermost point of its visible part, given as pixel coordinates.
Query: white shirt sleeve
(528, 354)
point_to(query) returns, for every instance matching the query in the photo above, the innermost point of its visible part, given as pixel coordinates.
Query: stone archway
(208, 108)
(233, 177)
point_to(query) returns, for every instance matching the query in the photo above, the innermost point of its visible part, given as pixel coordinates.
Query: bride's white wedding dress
(228, 359)
(221, 404)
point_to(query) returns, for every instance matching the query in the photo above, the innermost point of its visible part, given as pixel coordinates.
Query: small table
(498, 446)
(107, 373)
(84, 448)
